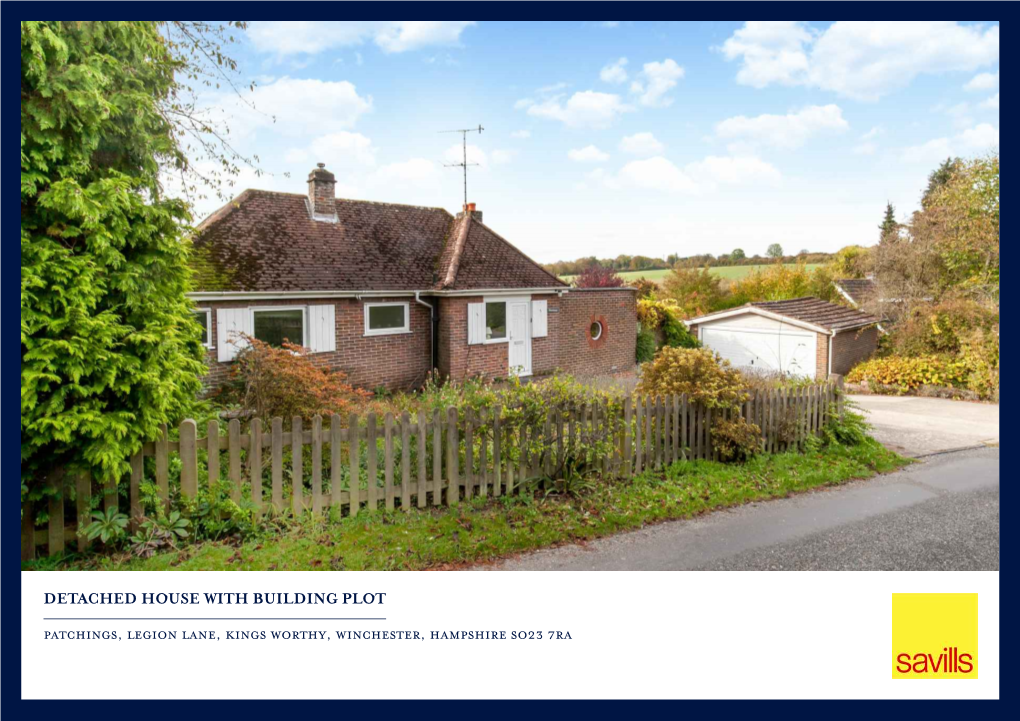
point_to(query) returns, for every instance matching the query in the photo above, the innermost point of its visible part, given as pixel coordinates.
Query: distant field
(731, 272)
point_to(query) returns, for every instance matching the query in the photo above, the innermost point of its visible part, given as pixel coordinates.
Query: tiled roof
(266, 241)
(860, 290)
(818, 312)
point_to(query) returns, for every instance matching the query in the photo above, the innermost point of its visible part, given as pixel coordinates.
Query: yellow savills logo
(934, 635)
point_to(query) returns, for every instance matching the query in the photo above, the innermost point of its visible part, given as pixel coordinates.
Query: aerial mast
(464, 162)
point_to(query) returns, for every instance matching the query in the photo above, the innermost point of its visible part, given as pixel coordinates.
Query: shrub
(664, 316)
(284, 382)
(735, 439)
(910, 373)
(645, 345)
(645, 288)
(849, 429)
(931, 328)
(980, 351)
(698, 372)
(777, 282)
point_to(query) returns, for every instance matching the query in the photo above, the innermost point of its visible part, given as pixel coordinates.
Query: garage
(802, 337)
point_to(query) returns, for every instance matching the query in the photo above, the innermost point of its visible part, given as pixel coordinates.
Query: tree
(738, 254)
(775, 251)
(109, 347)
(597, 276)
(889, 226)
(939, 178)
(695, 291)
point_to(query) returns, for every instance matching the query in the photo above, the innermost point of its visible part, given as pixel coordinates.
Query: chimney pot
(322, 193)
(470, 210)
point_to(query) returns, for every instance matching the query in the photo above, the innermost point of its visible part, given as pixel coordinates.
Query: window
(386, 318)
(495, 320)
(595, 330)
(276, 325)
(204, 318)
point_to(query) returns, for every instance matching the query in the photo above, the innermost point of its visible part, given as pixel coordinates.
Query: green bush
(645, 345)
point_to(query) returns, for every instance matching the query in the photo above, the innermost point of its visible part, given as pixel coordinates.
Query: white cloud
(641, 144)
(983, 81)
(873, 133)
(730, 170)
(863, 60)
(549, 89)
(609, 24)
(782, 131)
(521, 134)
(502, 157)
(587, 109)
(343, 149)
(417, 172)
(589, 154)
(978, 139)
(614, 72)
(392, 36)
(657, 79)
(661, 174)
(992, 103)
(523, 103)
(299, 108)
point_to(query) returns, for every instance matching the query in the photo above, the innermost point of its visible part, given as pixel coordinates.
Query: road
(917, 426)
(938, 515)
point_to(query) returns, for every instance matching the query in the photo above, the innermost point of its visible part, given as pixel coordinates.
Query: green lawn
(731, 272)
(484, 530)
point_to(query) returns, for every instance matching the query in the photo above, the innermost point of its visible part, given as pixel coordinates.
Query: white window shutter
(230, 324)
(476, 323)
(539, 318)
(322, 328)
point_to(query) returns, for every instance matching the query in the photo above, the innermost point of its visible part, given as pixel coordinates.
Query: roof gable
(809, 312)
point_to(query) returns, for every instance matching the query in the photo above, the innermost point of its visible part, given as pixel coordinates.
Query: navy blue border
(162, 679)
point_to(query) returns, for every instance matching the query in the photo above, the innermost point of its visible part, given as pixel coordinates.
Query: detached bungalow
(387, 293)
(804, 336)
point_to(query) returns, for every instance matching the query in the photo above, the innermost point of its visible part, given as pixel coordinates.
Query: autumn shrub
(931, 328)
(694, 291)
(598, 276)
(980, 351)
(909, 373)
(734, 439)
(698, 372)
(646, 345)
(664, 316)
(284, 382)
(645, 288)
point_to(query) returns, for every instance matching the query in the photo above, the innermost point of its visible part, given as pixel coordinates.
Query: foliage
(646, 345)
(284, 382)
(735, 439)
(930, 328)
(597, 276)
(889, 227)
(939, 179)
(645, 288)
(909, 373)
(738, 254)
(852, 261)
(849, 429)
(782, 282)
(110, 527)
(664, 316)
(980, 351)
(694, 291)
(775, 251)
(698, 372)
(109, 349)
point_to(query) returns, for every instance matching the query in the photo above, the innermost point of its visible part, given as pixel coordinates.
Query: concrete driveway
(920, 426)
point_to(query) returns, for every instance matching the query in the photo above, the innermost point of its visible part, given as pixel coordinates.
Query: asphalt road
(938, 515)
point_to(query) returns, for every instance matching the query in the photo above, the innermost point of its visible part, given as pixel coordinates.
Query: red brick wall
(822, 357)
(851, 347)
(393, 361)
(615, 351)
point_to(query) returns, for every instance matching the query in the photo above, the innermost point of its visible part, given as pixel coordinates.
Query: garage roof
(813, 312)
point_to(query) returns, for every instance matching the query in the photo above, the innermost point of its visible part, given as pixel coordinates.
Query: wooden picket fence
(421, 461)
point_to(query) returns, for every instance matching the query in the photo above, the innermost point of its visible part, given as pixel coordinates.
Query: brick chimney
(322, 193)
(469, 210)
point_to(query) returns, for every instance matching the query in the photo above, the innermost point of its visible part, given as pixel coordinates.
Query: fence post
(388, 460)
(277, 462)
(372, 480)
(405, 462)
(437, 459)
(452, 458)
(255, 461)
(55, 530)
(83, 482)
(162, 465)
(353, 460)
(297, 470)
(234, 454)
(212, 442)
(469, 452)
(497, 450)
(189, 458)
(135, 490)
(423, 435)
(317, 464)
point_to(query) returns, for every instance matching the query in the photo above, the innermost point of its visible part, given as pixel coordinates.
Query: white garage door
(789, 351)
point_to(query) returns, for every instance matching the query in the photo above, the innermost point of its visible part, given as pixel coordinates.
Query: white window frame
(389, 331)
(602, 329)
(304, 319)
(209, 344)
(506, 311)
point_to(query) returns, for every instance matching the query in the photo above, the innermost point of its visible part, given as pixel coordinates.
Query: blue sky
(609, 137)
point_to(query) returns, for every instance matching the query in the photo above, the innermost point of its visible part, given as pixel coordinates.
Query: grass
(731, 272)
(485, 530)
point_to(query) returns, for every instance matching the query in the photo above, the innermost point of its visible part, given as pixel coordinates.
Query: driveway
(941, 514)
(920, 426)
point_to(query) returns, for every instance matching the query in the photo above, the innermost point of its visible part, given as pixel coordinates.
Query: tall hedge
(109, 349)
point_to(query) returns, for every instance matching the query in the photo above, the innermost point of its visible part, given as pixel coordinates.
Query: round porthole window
(595, 330)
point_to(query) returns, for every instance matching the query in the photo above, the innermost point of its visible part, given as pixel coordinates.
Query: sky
(610, 136)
